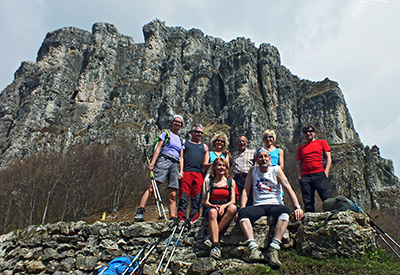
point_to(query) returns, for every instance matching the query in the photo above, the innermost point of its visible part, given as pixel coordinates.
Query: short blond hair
(214, 164)
(269, 132)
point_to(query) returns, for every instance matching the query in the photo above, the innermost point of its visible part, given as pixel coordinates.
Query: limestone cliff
(100, 86)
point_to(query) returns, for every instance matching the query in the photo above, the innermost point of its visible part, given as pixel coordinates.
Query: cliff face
(101, 86)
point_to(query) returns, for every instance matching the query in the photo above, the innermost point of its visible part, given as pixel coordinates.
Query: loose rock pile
(82, 248)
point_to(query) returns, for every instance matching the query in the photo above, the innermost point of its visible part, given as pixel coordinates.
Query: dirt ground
(126, 215)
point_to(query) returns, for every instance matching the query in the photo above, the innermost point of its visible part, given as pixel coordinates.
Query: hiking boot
(215, 253)
(256, 255)
(273, 259)
(139, 215)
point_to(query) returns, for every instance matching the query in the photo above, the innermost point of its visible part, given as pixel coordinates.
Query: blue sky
(353, 42)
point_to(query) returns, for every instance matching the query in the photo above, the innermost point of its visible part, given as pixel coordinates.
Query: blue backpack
(118, 266)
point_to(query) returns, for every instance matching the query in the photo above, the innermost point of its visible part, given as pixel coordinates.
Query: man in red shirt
(313, 164)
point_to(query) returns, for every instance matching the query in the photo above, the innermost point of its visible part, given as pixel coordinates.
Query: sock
(275, 244)
(216, 245)
(251, 243)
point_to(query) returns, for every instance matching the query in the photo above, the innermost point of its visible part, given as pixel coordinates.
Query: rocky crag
(100, 87)
(81, 248)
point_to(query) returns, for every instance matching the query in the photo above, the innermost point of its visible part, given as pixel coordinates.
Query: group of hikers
(256, 189)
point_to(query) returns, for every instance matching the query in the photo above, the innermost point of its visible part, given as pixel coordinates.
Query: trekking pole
(175, 225)
(383, 232)
(154, 187)
(391, 248)
(150, 250)
(133, 261)
(146, 255)
(187, 223)
(156, 193)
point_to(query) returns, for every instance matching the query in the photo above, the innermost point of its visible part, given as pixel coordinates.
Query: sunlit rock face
(100, 86)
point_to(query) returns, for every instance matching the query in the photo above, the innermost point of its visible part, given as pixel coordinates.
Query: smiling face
(176, 125)
(219, 167)
(309, 134)
(268, 139)
(242, 143)
(197, 134)
(219, 143)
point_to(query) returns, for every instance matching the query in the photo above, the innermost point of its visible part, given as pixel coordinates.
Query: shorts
(166, 168)
(207, 210)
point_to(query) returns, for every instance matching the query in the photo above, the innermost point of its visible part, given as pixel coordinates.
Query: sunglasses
(309, 131)
(267, 137)
(177, 122)
(219, 140)
(198, 132)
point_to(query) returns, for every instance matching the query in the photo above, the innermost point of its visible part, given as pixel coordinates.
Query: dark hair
(308, 126)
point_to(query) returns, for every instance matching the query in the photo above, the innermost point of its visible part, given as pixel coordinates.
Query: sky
(353, 42)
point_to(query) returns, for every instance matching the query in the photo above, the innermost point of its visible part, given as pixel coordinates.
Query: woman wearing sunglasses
(275, 152)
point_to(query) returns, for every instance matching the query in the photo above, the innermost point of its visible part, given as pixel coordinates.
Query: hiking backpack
(153, 148)
(340, 203)
(166, 141)
(119, 266)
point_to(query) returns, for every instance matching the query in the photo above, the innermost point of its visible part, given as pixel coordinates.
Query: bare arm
(181, 164)
(299, 168)
(328, 163)
(155, 155)
(233, 193)
(228, 160)
(246, 189)
(298, 212)
(207, 200)
(206, 160)
(281, 159)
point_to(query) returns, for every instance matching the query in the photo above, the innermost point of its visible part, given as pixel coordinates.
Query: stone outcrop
(82, 248)
(100, 87)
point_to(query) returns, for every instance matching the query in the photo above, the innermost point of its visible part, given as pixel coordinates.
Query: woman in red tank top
(220, 203)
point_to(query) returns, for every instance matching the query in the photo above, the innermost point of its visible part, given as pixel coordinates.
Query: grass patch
(293, 263)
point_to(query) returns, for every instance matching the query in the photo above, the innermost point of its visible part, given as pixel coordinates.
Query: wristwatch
(298, 207)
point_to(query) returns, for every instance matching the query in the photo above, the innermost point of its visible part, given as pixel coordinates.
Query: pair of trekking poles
(160, 206)
(173, 227)
(380, 231)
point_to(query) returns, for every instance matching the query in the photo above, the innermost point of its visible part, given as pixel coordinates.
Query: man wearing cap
(313, 165)
(267, 201)
(166, 163)
(191, 183)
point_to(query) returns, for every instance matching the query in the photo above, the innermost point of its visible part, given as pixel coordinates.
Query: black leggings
(255, 212)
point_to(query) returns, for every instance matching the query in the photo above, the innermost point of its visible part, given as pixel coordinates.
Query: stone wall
(81, 248)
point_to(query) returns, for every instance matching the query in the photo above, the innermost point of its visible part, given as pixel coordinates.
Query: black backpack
(228, 186)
